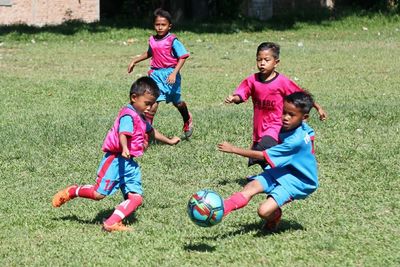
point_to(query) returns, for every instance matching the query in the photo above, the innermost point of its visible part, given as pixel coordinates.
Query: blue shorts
(273, 188)
(168, 92)
(116, 172)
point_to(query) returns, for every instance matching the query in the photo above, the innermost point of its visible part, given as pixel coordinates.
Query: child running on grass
(118, 169)
(292, 172)
(167, 55)
(267, 88)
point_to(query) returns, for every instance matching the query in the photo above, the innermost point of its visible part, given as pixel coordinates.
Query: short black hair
(302, 100)
(275, 48)
(144, 85)
(159, 12)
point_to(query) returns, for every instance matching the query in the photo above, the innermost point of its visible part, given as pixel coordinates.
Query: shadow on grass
(213, 25)
(284, 226)
(100, 217)
(200, 247)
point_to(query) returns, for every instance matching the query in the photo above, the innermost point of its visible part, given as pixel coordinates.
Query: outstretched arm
(322, 114)
(233, 99)
(248, 153)
(136, 60)
(170, 141)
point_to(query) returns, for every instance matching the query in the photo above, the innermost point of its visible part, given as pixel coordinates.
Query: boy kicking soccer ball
(292, 171)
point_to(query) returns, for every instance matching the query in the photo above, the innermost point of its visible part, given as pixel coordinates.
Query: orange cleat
(116, 227)
(62, 197)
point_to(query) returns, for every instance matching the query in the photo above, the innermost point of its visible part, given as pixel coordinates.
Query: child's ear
(133, 98)
(305, 117)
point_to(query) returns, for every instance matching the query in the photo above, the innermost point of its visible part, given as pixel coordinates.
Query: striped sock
(85, 191)
(125, 208)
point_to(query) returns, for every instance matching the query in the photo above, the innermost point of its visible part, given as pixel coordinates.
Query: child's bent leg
(270, 211)
(71, 192)
(241, 199)
(123, 210)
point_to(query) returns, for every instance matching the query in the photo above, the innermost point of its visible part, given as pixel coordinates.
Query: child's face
(266, 63)
(142, 103)
(162, 26)
(292, 116)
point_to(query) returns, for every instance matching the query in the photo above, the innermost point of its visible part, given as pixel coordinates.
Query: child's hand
(131, 66)
(125, 153)
(230, 99)
(322, 114)
(171, 78)
(175, 140)
(226, 147)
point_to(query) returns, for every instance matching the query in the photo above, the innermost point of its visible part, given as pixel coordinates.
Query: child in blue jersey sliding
(118, 169)
(292, 171)
(167, 55)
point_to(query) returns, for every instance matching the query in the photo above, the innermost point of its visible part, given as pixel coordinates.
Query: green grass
(61, 88)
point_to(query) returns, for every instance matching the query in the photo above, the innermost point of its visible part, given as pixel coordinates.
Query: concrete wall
(48, 12)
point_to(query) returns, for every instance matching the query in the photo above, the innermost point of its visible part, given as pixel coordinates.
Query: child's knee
(136, 197)
(267, 208)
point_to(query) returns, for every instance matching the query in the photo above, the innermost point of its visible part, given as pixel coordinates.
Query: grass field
(61, 90)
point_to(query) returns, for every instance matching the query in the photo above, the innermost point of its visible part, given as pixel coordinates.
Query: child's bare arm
(248, 153)
(170, 141)
(322, 114)
(123, 140)
(136, 60)
(172, 77)
(232, 99)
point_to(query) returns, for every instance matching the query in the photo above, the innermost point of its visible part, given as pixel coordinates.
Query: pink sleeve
(243, 90)
(291, 87)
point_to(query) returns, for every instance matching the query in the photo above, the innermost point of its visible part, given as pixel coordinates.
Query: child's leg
(71, 192)
(187, 118)
(241, 199)
(123, 210)
(267, 208)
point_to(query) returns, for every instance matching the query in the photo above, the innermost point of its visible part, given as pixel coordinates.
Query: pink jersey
(267, 100)
(161, 51)
(136, 140)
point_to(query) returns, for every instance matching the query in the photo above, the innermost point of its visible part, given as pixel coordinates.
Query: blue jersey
(292, 162)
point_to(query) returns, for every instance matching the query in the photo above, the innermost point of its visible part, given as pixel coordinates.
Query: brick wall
(49, 12)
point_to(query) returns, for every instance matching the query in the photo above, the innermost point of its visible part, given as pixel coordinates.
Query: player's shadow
(200, 247)
(241, 181)
(99, 219)
(285, 225)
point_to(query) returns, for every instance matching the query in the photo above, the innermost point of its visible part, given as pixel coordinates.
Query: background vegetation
(61, 88)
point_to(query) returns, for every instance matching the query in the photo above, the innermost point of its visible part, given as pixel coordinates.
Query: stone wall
(48, 12)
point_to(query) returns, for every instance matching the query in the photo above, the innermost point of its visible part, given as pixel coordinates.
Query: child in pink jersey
(267, 89)
(167, 55)
(118, 169)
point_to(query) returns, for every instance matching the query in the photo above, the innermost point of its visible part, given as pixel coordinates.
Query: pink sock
(234, 202)
(85, 191)
(125, 208)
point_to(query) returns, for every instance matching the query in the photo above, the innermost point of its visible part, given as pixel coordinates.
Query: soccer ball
(206, 208)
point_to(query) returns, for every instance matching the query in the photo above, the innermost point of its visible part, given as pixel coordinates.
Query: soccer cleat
(188, 127)
(273, 223)
(116, 227)
(62, 197)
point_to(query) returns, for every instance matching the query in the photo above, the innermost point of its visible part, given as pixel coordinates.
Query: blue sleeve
(179, 50)
(126, 125)
(282, 154)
